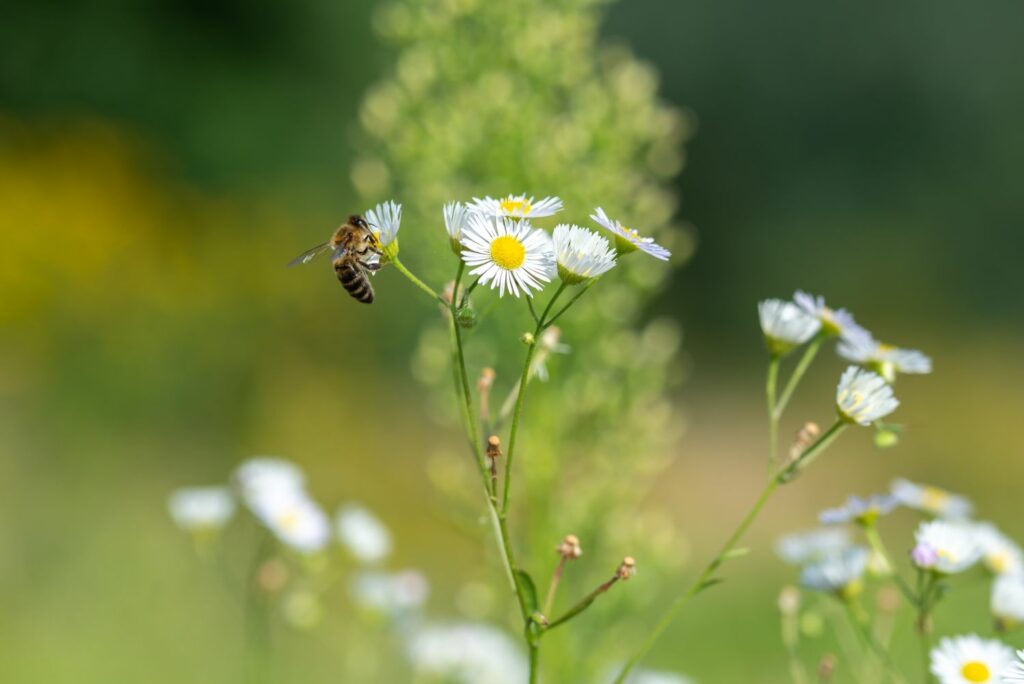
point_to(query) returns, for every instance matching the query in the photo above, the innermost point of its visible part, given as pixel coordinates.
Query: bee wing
(309, 254)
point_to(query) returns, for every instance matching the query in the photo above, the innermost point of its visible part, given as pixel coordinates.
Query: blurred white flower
(456, 215)
(468, 653)
(548, 344)
(884, 359)
(643, 676)
(839, 574)
(833, 321)
(516, 207)
(363, 534)
(863, 397)
(195, 509)
(970, 660)
(581, 254)
(862, 511)
(945, 547)
(932, 500)
(785, 325)
(1007, 601)
(384, 220)
(390, 592)
(628, 240)
(1015, 672)
(294, 518)
(801, 548)
(262, 474)
(1000, 554)
(508, 255)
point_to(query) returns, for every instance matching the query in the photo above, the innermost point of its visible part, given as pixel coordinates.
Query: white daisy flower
(628, 240)
(581, 254)
(839, 574)
(516, 207)
(644, 676)
(393, 592)
(932, 500)
(456, 215)
(970, 660)
(1015, 673)
(884, 359)
(261, 474)
(294, 518)
(384, 221)
(863, 397)
(1008, 599)
(861, 511)
(365, 536)
(838, 322)
(945, 547)
(800, 548)
(198, 509)
(508, 255)
(999, 553)
(468, 653)
(785, 325)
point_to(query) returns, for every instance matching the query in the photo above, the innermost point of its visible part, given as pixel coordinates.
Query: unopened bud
(627, 568)
(528, 339)
(804, 438)
(789, 601)
(466, 317)
(570, 548)
(493, 447)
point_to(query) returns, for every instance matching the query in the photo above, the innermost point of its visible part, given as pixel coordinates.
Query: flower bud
(466, 317)
(570, 548)
(627, 568)
(528, 339)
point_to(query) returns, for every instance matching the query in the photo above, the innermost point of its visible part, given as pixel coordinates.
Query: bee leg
(370, 266)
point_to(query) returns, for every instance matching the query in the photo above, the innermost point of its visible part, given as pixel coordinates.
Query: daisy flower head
(581, 254)
(384, 220)
(1007, 601)
(884, 359)
(970, 659)
(261, 475)
(200, 509)
(945, 547)
(363, 534)
(836, 322)
(508, 255)
(628, 240)
(1015, 673)
(840, 574)
(456, 214)
(1000, 554)
(645, 676)
(467, 653)
(800, 548)
(516, 207)
(785, 325)
(931, 500)
(864, 511)
(863, 397)
(294, 518)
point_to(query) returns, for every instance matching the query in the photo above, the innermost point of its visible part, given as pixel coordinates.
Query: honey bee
(354, 247)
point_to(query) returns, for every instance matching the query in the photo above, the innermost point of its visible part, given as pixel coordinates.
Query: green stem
(582, 605)
(534, 662)
(773, 420)
(556, 578)
(813, 451)
(861, 623)
(798, 373)
(582, 291)
(416, 281)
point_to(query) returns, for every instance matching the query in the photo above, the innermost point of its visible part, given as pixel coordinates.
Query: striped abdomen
(353, 279)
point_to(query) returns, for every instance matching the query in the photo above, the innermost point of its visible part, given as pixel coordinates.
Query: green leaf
(528, 590)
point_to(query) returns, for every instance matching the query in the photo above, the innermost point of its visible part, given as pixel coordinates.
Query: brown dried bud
(627, 568)
(493, 447)
(570, 547)
(826, 667)
(486, 380)
(804, 438)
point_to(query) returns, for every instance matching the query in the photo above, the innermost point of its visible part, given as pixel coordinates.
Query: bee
(355, 249)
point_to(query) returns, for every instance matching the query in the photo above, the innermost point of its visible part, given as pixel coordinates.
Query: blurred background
(160, 162)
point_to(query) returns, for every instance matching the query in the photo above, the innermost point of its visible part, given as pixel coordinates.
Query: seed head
(627, 568)
(570, 548)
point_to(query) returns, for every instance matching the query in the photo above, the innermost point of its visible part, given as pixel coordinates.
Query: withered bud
(493, 447)
(486, 380)
(789, 601)
(448, 293)
(826, 667)
(570, 548)
(272, 575)
(804, 438)
(888, 600)
(627, 568)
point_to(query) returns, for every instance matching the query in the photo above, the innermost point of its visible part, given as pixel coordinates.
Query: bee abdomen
(354, 281)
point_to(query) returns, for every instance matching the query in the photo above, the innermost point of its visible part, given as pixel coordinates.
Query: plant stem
(798, 372)
(416, 281)
(813, 451)
(582, 291)
(534, 661)
(582, 605)
(556, 578)
(773, 419)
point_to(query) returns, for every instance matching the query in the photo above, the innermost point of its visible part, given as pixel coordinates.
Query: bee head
(358, 221)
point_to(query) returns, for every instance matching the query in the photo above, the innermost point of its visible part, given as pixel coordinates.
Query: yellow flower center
(933, 498)
(516, 206)
(508, 252)
(289, 521)
(1000, 562)
(975, 671)
(885, 348)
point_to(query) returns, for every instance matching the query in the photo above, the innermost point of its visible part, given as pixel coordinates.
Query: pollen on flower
(508, 252)
(933, 498)
(976, 671)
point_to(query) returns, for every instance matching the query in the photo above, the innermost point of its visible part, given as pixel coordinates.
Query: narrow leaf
(528, 590)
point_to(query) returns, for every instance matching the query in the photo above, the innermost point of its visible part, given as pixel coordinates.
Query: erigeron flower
(840, 574)
(393, 592)
(970, 660)
(262, 474)
(999, 553)
(456, 215)
(581, 254)
(467, 653)
(628, 240)
(384, 221)
(199, 509)
(884, 359)
(861, 511)
(945, 547)
(363, 534)
(785, 325)
(1015, 673)
(863, 397)
(294, 518)
(508, 255)
(809, 546)
(837, 322)
(932, 500)
(516, 207)
(1007, 601)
